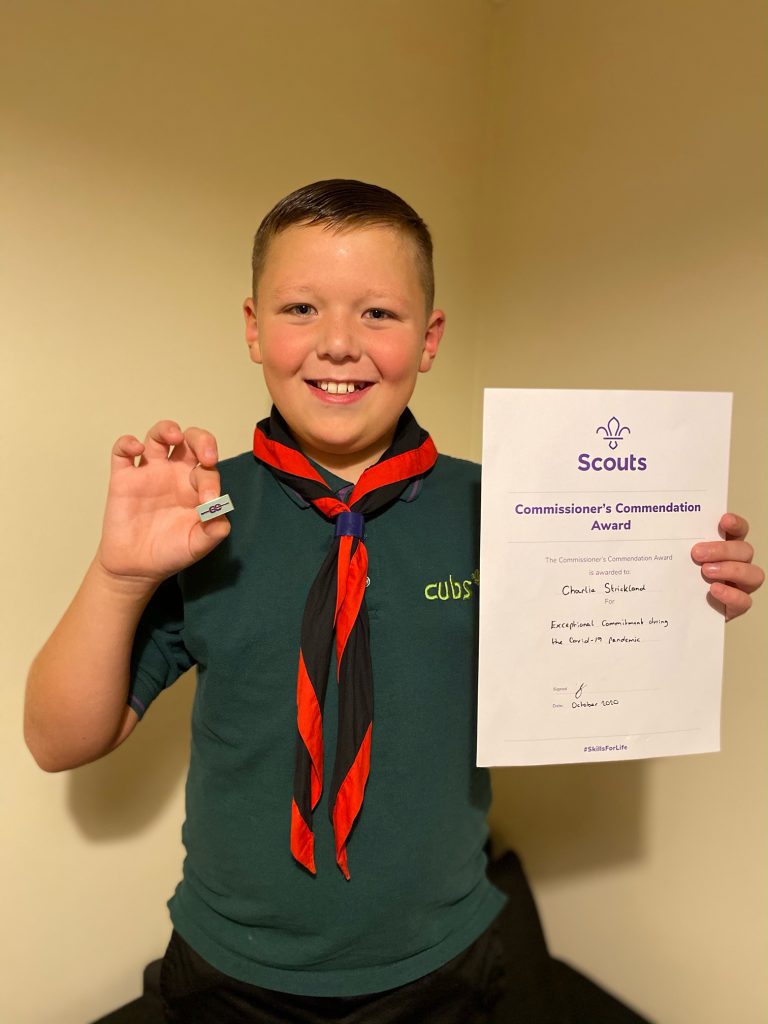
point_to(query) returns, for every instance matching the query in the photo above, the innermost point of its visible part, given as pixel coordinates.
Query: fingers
(729, 561)
(735, 602)
(158, 442)
(722, 551)
(166, 439)
(206, 482)
(727, 566)
(161, 438)
(205, 536)
(744, 575)
(125, 450)
(202, 446)
(733, 527)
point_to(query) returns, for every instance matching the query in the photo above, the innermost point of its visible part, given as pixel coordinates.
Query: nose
(338, 340)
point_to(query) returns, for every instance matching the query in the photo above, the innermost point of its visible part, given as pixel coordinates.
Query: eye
(378, 314)
(300, 309)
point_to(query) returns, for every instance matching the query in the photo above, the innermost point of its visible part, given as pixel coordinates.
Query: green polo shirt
(418, 893)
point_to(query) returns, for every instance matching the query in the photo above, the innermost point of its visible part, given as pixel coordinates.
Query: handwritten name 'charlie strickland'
(608, 588)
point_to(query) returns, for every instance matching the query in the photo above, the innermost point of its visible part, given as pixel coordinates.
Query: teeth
(337, 387)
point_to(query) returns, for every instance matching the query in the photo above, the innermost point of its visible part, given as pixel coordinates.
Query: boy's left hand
(727, 565)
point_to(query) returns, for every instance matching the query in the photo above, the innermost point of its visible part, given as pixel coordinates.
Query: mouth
(340, 387)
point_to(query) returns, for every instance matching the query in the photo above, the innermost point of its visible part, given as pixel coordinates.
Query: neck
(349, 466)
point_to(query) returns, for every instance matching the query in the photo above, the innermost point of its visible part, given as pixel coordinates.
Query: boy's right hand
(151, 529)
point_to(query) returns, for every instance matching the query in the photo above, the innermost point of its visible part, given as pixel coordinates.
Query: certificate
(597, 637)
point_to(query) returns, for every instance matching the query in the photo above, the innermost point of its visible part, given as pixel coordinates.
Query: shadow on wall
(121, 794)
(572, 818)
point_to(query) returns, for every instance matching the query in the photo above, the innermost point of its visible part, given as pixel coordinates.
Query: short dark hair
(346, 203)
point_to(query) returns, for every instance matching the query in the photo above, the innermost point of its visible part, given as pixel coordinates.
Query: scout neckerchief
(336, 603)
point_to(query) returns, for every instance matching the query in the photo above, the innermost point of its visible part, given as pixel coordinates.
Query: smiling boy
(341, 329)
(336, 822)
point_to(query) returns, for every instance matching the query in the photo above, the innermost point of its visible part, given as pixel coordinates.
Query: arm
(727, 566)
(75, 707)
(77, 687)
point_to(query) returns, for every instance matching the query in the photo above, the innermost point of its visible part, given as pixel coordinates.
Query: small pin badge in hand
(215, 507)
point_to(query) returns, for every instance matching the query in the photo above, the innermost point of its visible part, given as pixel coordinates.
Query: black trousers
(539, 989)
(506, 977)
(463, 991)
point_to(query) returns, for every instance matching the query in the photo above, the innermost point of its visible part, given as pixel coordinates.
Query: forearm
(75, 707)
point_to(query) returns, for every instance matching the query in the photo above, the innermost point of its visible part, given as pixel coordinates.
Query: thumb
(204, 537)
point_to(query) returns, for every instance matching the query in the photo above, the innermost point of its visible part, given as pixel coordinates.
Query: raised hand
(151, 529)
(727, 566)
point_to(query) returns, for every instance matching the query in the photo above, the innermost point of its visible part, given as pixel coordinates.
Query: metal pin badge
(215, 507)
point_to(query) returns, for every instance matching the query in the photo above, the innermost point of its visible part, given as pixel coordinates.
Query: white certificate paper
(597, 638)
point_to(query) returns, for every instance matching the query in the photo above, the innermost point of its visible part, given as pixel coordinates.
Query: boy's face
(340, 328)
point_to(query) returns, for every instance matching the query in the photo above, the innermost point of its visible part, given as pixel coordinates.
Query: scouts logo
(612, 432)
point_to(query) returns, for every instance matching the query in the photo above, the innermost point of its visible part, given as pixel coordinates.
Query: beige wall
(593, 175)
(627, 246)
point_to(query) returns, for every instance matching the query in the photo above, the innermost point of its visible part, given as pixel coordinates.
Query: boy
(383, 912)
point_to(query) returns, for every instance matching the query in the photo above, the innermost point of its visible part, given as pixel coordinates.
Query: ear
(252, 330)
(432, 336)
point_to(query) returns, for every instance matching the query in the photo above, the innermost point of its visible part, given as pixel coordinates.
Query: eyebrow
(370, 293)
(382, 294)
(291, 289)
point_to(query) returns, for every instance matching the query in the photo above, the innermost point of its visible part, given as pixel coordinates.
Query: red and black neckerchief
(336, 604)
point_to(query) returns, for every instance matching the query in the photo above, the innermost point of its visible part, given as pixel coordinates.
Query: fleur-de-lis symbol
(613, 431)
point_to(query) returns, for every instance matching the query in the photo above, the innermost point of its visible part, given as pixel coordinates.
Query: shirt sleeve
(159, 655)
